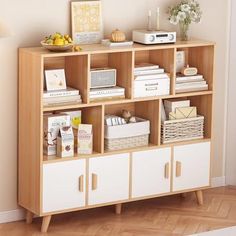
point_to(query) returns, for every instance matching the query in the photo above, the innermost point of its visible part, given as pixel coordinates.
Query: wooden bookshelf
(43, 178)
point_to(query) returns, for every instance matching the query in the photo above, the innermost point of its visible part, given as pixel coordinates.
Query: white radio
(153, 37)
(103, 77)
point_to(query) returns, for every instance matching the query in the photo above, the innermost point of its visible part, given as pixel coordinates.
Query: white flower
(193, 16)
(181, 16)
(185, 8)
(174, 20)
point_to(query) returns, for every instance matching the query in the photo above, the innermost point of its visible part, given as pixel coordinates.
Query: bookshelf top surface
(99, 48)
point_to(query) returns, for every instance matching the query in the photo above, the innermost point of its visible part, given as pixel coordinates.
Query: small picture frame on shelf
(86, 22)
(55, 79)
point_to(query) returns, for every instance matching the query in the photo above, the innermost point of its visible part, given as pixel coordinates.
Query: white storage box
(152, 87)
(127, 135)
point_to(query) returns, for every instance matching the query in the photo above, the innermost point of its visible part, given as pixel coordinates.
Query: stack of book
(190, 83)
(150, 80)
(65, 96)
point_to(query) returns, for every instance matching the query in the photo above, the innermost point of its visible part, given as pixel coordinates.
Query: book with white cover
(180, 77)
(149, 77)
(171, 105)
(145, 66)
(149, 72)
(108, 43)
(62, 100)
(190, 84)
(189, 81)
(61, 93)
(107, 92)
(192, 89)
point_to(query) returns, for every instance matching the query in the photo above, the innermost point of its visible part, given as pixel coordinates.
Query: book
(190, 84)
(145, 66)
(62, 100)
(107, 92)
(149, 72)
(192, 89)
(108, 43)
(61, 93)
(180, 77)
(188, 81)
(149, 77)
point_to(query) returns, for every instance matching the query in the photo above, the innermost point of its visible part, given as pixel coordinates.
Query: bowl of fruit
(57, 42)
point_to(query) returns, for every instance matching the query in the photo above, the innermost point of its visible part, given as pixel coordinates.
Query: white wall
(32, 20)
(231, 125)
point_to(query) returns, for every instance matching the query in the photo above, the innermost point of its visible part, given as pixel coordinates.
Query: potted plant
(184, 13)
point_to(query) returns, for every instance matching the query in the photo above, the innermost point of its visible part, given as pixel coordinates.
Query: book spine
(149, 72)
(107, 95)
(146, 68)
(105, 92)
(194, 77)
(60, 94)
(148, 77)
(65, 98)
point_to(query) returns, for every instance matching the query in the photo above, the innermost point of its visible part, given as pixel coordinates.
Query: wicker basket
(125, 143)
(182, 130)
(127, 136)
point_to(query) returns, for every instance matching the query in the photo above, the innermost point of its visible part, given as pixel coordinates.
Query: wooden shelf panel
(121, 101)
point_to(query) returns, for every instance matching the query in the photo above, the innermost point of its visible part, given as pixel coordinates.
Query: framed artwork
(86, 21)
(55, 79)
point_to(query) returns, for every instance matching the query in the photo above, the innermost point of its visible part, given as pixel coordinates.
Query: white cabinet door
(191, 166)
(151, 172)
(63, 185)
(108, 179)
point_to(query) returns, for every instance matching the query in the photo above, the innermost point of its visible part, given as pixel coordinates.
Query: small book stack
(150, 80)
(64, 96)
(190, 83)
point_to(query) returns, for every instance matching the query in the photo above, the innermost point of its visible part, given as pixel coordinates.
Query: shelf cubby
(76, 71)
(203, 59)
(165, 58)
(148, 110)
(122, 62)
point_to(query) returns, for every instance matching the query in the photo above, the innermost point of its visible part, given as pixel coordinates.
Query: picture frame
(86, 22)
(55, 79)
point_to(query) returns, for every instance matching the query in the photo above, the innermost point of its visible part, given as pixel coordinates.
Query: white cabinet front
(108, 179)
(151, 172)
(63, 185)
(191, 166)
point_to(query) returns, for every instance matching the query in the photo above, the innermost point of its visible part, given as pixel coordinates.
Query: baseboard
(218, 182)
(11, 216)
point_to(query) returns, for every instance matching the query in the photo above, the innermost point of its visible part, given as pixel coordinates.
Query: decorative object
(86, 21)
(55, 79)
(158, 19)
(183, 113)
(51, 127)
(180, 61)
(189, 71)
(85, 139)
(118, 36)
(65, 142)
(57, 42)
(126, 115)
(184, 13)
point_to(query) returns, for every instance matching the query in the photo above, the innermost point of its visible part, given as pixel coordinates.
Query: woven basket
(125, 143)
(182, 130)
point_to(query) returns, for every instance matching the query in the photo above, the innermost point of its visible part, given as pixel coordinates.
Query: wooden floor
(161, 216)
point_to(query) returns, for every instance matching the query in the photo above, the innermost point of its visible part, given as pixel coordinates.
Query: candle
(158, 19)
(149, 20)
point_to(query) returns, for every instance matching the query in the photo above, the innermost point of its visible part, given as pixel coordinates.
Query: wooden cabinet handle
(178, 169)
(81, 183)
(167, 170)
(94, 181)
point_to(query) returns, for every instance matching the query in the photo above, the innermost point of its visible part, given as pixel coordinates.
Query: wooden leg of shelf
(29, 217)
(199, 196)
(45, 223)
(183, 195)
(118, 208)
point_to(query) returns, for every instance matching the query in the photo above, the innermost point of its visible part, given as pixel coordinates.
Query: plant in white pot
(184, 13)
